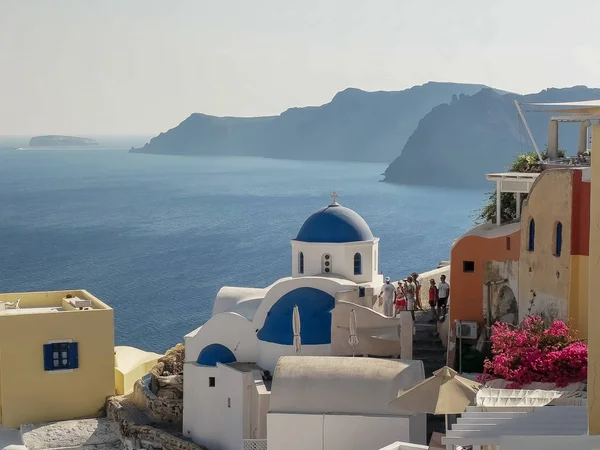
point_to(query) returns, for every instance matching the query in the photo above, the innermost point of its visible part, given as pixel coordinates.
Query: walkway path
(10, 439)
(428, 347)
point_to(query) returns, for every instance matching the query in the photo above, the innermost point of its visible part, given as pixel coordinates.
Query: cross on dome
(334, 196)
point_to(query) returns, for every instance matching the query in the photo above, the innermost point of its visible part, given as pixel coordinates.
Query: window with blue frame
(531, 241)
(300, 262)
(61, 356)
(357, 264)
(557, 239)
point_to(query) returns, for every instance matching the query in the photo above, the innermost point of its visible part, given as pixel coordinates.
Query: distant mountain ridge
(456, 144)
(445, 134)
(355, 126)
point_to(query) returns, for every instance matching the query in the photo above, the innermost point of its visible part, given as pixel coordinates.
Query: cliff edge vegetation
(524, 163)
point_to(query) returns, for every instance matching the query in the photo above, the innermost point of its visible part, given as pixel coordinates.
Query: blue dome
(335, 224)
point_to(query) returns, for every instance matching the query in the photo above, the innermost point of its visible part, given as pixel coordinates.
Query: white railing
(255, 444)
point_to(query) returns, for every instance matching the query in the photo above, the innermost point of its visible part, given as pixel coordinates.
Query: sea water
(157, 236)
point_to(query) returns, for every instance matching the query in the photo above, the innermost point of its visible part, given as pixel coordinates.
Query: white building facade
(334, 272)
(342, 404)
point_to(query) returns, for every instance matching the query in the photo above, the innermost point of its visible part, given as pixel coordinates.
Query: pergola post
(498, 203)
(553, 139)
(518, 201)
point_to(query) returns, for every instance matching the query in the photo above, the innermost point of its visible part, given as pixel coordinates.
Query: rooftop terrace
(49, 302)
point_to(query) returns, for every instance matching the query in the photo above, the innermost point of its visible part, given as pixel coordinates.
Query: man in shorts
(443, 294)
(411, 292)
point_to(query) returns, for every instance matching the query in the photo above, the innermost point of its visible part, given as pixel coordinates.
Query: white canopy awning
(584, 103)
(489, 397)
(487, 428)
(514, 182)
(582, 107)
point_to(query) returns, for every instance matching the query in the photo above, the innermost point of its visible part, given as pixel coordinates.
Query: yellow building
(56, 356)
(554, 247)
(131, 364)
(594, 287)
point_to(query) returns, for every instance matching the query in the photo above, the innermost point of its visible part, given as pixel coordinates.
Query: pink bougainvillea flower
(534, 352)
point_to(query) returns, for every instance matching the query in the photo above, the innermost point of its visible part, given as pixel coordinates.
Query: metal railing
(255, 444)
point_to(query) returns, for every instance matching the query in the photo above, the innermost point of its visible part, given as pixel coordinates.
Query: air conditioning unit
(77, 302)
(466, 330)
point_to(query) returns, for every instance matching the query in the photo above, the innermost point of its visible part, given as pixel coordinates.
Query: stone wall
(161, 393)
(135, 436)
(161, 409)
(426, 276)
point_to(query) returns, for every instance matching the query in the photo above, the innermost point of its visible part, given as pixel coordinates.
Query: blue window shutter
(73, 355)
(531, 243)
(48, 360)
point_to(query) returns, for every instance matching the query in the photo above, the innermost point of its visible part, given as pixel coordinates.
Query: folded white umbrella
(353, 341)
(296, 329)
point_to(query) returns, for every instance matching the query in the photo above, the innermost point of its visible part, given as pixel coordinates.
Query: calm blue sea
(157, 236)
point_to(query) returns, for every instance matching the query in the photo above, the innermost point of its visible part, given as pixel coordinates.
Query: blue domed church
(334, 275)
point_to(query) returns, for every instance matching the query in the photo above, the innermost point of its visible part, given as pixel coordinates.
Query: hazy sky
(142, 66)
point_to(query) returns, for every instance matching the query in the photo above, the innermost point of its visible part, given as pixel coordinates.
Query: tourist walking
(443, 295)
(411, 290)
(415, 277)
(433, 298)
(388, 292)
(400, 297)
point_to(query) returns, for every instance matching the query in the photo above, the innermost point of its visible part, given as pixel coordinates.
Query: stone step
(428, 343)
(425, 325)
(422, 344)
(429, 356)
(425, 336)
(426, 329)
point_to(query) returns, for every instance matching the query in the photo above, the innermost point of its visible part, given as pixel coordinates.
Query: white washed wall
(207, 417)
(342, 259)
(229, 329)
(294, 431)
(337, 432)
(363, 432)
(269, 353)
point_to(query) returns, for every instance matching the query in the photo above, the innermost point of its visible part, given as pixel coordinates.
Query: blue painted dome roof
(335, 224)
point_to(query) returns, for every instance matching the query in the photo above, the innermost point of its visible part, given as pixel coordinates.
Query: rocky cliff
(354, 126)
(456, 144)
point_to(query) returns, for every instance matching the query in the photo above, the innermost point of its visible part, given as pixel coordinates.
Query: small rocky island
(59, 141)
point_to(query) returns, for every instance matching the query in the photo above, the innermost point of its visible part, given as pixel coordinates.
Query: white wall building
(342, 404)
(334, 271)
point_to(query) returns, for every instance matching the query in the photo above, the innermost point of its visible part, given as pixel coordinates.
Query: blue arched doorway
(315, 308)
(215, 353)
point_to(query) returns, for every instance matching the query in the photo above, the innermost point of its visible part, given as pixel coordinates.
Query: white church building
(229, 360)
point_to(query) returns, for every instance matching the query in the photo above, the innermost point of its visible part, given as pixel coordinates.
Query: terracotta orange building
(538, 265)
(484, 261)
(486, 254)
